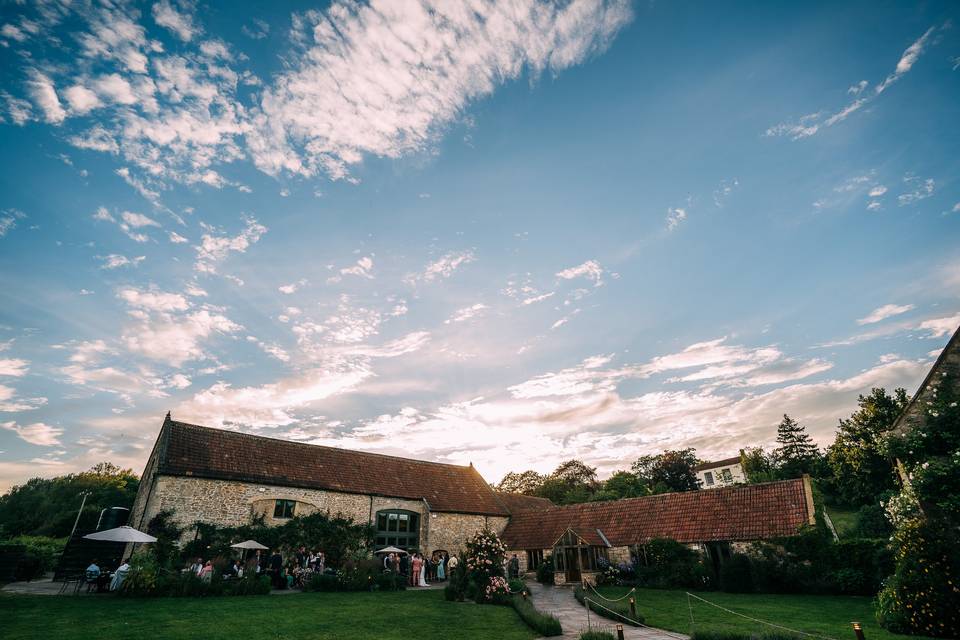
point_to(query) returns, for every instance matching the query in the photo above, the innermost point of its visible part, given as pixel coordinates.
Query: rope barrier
(587, 602)
(626, 595)
(757, 620)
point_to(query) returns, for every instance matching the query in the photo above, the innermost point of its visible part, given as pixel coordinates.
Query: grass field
(332, 616)
(844, 520)
(828, 616)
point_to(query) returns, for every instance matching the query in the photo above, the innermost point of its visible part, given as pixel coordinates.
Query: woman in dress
(417, 569)
(423, 572)
(441, 571)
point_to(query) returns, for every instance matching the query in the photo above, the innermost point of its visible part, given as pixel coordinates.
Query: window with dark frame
(284, 509)
(397, 528)
(708, 478)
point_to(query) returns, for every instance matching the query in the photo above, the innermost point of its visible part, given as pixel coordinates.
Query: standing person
(321, 561)
(423, 572)
(514, 566)
(206, 574)
(387, 562)
(417, 568)
(276, 569)
(404, 564)
(441, 570)
(395, 564)
(301, 556)
(452, 563)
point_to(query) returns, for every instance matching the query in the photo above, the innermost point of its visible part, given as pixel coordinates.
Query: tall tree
(671, 470)
(861, 470)
(571, 482)
(525, 482)
(797, 454)
(49, 506)
(757, 465)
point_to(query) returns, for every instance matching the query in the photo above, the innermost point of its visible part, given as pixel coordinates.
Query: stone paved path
(559, 601)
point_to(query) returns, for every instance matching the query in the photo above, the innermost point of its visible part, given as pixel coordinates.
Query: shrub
(667, 563)
(146, 579)
(458, 582)
(323, 582)
(736, 574)
(545, 571)
(618, 611)
(43, 554)
(497, 591)
(517, 585)
(871, 522)
(543, 623)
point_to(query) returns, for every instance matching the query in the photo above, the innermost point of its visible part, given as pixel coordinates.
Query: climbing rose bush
(922, 594)
(497, 591)
(485, 554)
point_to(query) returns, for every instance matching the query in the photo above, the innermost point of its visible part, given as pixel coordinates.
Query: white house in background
(721, 473)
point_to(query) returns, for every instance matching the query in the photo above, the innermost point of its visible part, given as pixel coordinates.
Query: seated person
(119, 576)
(91, 575)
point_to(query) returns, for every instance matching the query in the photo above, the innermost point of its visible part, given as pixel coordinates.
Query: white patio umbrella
(249, 544)
(390, 550)
(121, 534)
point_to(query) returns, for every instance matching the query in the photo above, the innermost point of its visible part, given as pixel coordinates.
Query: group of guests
(283, 574)
(94, 576)
(418, 570)
(297, 569)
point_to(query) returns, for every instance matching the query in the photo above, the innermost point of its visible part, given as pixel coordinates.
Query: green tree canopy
(861, 471)
(797, 454)
(525, 482)
(48, 507)
(671, 470)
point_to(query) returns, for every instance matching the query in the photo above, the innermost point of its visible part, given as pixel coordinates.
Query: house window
(708, 478)
(727, 476)
(284, 509)
(397, 528)
(534, 558)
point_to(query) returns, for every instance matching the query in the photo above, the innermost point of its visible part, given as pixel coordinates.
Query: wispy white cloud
(675, 216)
(115, 261)
(886, 311)
(591, 270)
(38, 433)
(921, 189)
(466, 313)
(442, 267)
(178, 22)
(214, 247)
(386, 78)
(813, 123)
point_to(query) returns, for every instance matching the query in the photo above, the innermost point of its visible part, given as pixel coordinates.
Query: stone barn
(228, 479)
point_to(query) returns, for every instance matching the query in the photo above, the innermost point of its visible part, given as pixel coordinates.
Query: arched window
(397, 528)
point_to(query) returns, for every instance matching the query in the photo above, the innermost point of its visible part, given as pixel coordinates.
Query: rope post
(857, 630)
(633, 608)
(619, 632)
(690, 607)
(586, 603)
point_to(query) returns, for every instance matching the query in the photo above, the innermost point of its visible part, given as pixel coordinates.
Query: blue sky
(511, 235)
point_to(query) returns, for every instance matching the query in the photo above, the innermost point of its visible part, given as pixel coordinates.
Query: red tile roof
(740, 513)
(517, 502)
(203, 452)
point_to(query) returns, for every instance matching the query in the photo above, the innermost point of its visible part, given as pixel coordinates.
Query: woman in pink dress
(417, 564)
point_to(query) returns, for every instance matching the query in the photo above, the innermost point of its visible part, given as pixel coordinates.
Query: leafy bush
(497, 591)
(872, 522)
(544, 624)
(545, 571)
(517, 586)
(361, 576)
(147, 579)
(667, 563)
(42, 551)
(458, 582)
(323, 582)
(736, 574)
(618, 611)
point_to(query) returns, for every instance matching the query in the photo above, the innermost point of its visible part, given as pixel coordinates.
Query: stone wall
(231, 504)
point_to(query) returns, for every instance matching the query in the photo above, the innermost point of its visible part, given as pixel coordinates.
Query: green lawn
(332, 616)
(844, 520)
(828, 616)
